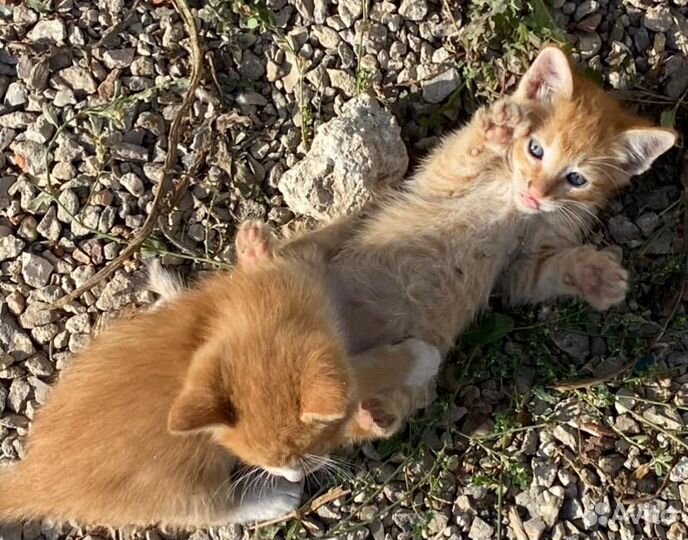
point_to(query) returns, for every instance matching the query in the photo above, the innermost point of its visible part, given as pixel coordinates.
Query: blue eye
(576, 179)
(535, 149)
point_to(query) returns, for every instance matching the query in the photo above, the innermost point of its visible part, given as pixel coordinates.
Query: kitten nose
(532, 198)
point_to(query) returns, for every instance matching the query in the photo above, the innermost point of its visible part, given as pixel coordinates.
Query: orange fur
(151, 421)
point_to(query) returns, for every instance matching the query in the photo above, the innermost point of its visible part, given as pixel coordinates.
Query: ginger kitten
(500, 205)
(151, 421)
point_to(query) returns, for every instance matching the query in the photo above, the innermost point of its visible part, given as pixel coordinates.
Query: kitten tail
(168, 285)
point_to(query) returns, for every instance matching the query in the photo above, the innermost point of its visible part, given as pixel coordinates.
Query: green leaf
(668, 118)
(252, 23)
(489, 329)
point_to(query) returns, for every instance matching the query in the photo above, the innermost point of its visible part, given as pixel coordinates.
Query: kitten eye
(576, 179)
(535, 149)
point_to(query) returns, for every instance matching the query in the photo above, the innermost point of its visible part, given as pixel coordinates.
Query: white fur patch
(427, 361)
(291, 474)
(168, 285)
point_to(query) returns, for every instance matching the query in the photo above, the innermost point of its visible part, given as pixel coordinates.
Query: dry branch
(170, 161)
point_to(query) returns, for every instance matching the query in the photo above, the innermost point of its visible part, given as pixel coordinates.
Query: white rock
(658, 19)
(118, 58)
(36, 270)
(79, 79)
(351, 157)
(132, 183)
(10, 247)
(480, 530)
(439, 87)
(52, 30)
(413, 10)
(680, 471)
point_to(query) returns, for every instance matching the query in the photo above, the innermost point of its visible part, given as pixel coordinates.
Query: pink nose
(530, 201)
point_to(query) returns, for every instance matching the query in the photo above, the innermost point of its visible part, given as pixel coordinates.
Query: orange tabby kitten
(501, 205)
(149, 423)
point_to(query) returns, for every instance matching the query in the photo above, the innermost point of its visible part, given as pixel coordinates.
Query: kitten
(500, 205)
(150, 422)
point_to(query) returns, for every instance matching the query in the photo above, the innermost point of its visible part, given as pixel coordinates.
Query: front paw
(378, 417)
(253, 242)
(284, 499)
(502, 122)
(599, 278)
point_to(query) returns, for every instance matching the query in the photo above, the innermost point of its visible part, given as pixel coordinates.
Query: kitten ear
(550, 75)
(325, 392)
(196, 410)
(201, 404)
(642, 146)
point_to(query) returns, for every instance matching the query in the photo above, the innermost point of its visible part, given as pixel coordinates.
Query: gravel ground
(88, 91)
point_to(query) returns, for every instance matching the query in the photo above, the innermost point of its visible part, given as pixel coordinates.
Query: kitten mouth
(530, 202)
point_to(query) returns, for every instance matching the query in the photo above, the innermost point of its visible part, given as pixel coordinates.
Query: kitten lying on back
(501, 205)
(150, 421)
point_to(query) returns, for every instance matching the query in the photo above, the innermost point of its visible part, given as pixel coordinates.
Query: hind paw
(253, 242)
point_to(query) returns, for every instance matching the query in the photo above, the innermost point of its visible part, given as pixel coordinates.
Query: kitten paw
(504, 121)
(426, 364)
(253, 242)
(376, 418)
(284, 498)
(600, 279)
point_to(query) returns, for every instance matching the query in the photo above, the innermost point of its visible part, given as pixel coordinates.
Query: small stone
(611, 464)
(49, 226)
(350, 157)
(665, 417)
(118, 58)
(39, 366)
(573, 344)
(535, 528)
(133, 184)
(679, 473)
(585, 8)
(79, 79)
(36, 270)
(658, 19)
(19, 392)
(441, 86)
(16, 94)
(480, 530)
(50, 30)
(327, 37)
(251, 67)
(589, 44)
(10, 247)
(342, 80)
(16, 303)
(68, 207)
(129, 152)
(32, 154)
(624, 400)
(566, 435)
(413, 10)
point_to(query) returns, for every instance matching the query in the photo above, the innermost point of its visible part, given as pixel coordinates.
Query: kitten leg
(253, 242)
(394, 381)
(501, 123)
(270, 499)
(593, 275)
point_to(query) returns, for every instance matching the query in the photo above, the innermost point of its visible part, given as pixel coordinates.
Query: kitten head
(271, 381)
(583, 146)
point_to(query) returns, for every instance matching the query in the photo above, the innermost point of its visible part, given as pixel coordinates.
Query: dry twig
(170, 161)
(311, 506)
